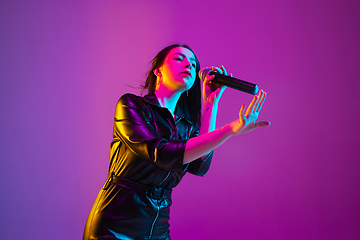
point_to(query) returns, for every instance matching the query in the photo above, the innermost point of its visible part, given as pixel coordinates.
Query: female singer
(156, 140)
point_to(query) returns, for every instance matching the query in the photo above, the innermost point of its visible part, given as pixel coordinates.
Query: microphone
(229, 81)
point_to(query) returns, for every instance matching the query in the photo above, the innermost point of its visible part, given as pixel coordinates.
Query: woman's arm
(209, 138)
(203, 144)
(211, 95)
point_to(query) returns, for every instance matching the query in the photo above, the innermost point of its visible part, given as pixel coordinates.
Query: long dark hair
(190, 101)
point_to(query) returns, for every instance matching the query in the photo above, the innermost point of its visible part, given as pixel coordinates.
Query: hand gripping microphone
(229, 81)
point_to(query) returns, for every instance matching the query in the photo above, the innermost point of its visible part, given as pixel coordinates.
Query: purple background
(64, 64)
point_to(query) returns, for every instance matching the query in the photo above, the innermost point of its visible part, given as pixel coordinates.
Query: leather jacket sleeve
(133, 126)
(200, 166)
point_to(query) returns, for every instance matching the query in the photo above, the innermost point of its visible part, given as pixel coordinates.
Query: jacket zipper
(158, 207)
(164, 179)
(157, 201)
(157, 216)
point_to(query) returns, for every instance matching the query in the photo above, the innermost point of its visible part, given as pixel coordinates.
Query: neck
(167, 98)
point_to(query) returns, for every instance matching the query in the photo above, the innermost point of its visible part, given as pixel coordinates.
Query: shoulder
(129, 101)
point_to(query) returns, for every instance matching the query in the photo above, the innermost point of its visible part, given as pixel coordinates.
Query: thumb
(262, 124)
(217, 92)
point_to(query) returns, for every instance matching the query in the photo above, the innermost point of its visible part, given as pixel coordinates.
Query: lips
(186, 73)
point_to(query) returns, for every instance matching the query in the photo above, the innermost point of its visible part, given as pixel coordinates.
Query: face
(178, 71)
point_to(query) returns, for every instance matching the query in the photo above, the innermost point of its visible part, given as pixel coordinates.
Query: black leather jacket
(147, 148)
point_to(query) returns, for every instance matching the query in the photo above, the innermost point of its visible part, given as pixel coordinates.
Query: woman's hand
(213, 91)
(247, 118)
(209, 140)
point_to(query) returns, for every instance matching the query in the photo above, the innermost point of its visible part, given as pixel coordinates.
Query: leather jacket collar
(179, 111)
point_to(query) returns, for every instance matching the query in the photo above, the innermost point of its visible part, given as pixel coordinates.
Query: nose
(187, 63)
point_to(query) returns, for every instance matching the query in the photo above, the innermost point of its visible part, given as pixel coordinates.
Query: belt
(151, 191)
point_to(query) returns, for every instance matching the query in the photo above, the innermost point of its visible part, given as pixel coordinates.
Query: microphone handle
(235, 83)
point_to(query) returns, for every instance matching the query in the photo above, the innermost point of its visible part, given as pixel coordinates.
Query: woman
(157, 139)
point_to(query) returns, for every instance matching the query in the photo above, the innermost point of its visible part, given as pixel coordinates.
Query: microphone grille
(204, 72)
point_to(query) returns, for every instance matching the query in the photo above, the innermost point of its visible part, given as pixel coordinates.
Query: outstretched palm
(247, 119)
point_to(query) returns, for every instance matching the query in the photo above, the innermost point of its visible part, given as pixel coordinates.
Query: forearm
(201, 145)
(208, 122)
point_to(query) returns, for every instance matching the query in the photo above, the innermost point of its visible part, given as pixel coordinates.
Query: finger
(217, 92)
(262, 124)
(242, 112)
(213, 85)
(217, 69)
(262, 101)
(223, 69)
(259, 95)
(251, 106)
(223, 87)
(208, 78)
(211, 77)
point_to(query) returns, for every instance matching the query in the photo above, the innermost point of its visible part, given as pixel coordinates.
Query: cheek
(194, 71)
(169, 72)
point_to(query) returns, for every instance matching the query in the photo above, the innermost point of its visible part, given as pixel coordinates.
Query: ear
(157, 72)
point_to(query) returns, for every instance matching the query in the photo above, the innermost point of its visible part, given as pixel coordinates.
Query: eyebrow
(181, 54)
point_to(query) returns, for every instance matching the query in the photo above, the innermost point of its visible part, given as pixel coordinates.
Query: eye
(178, 59)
